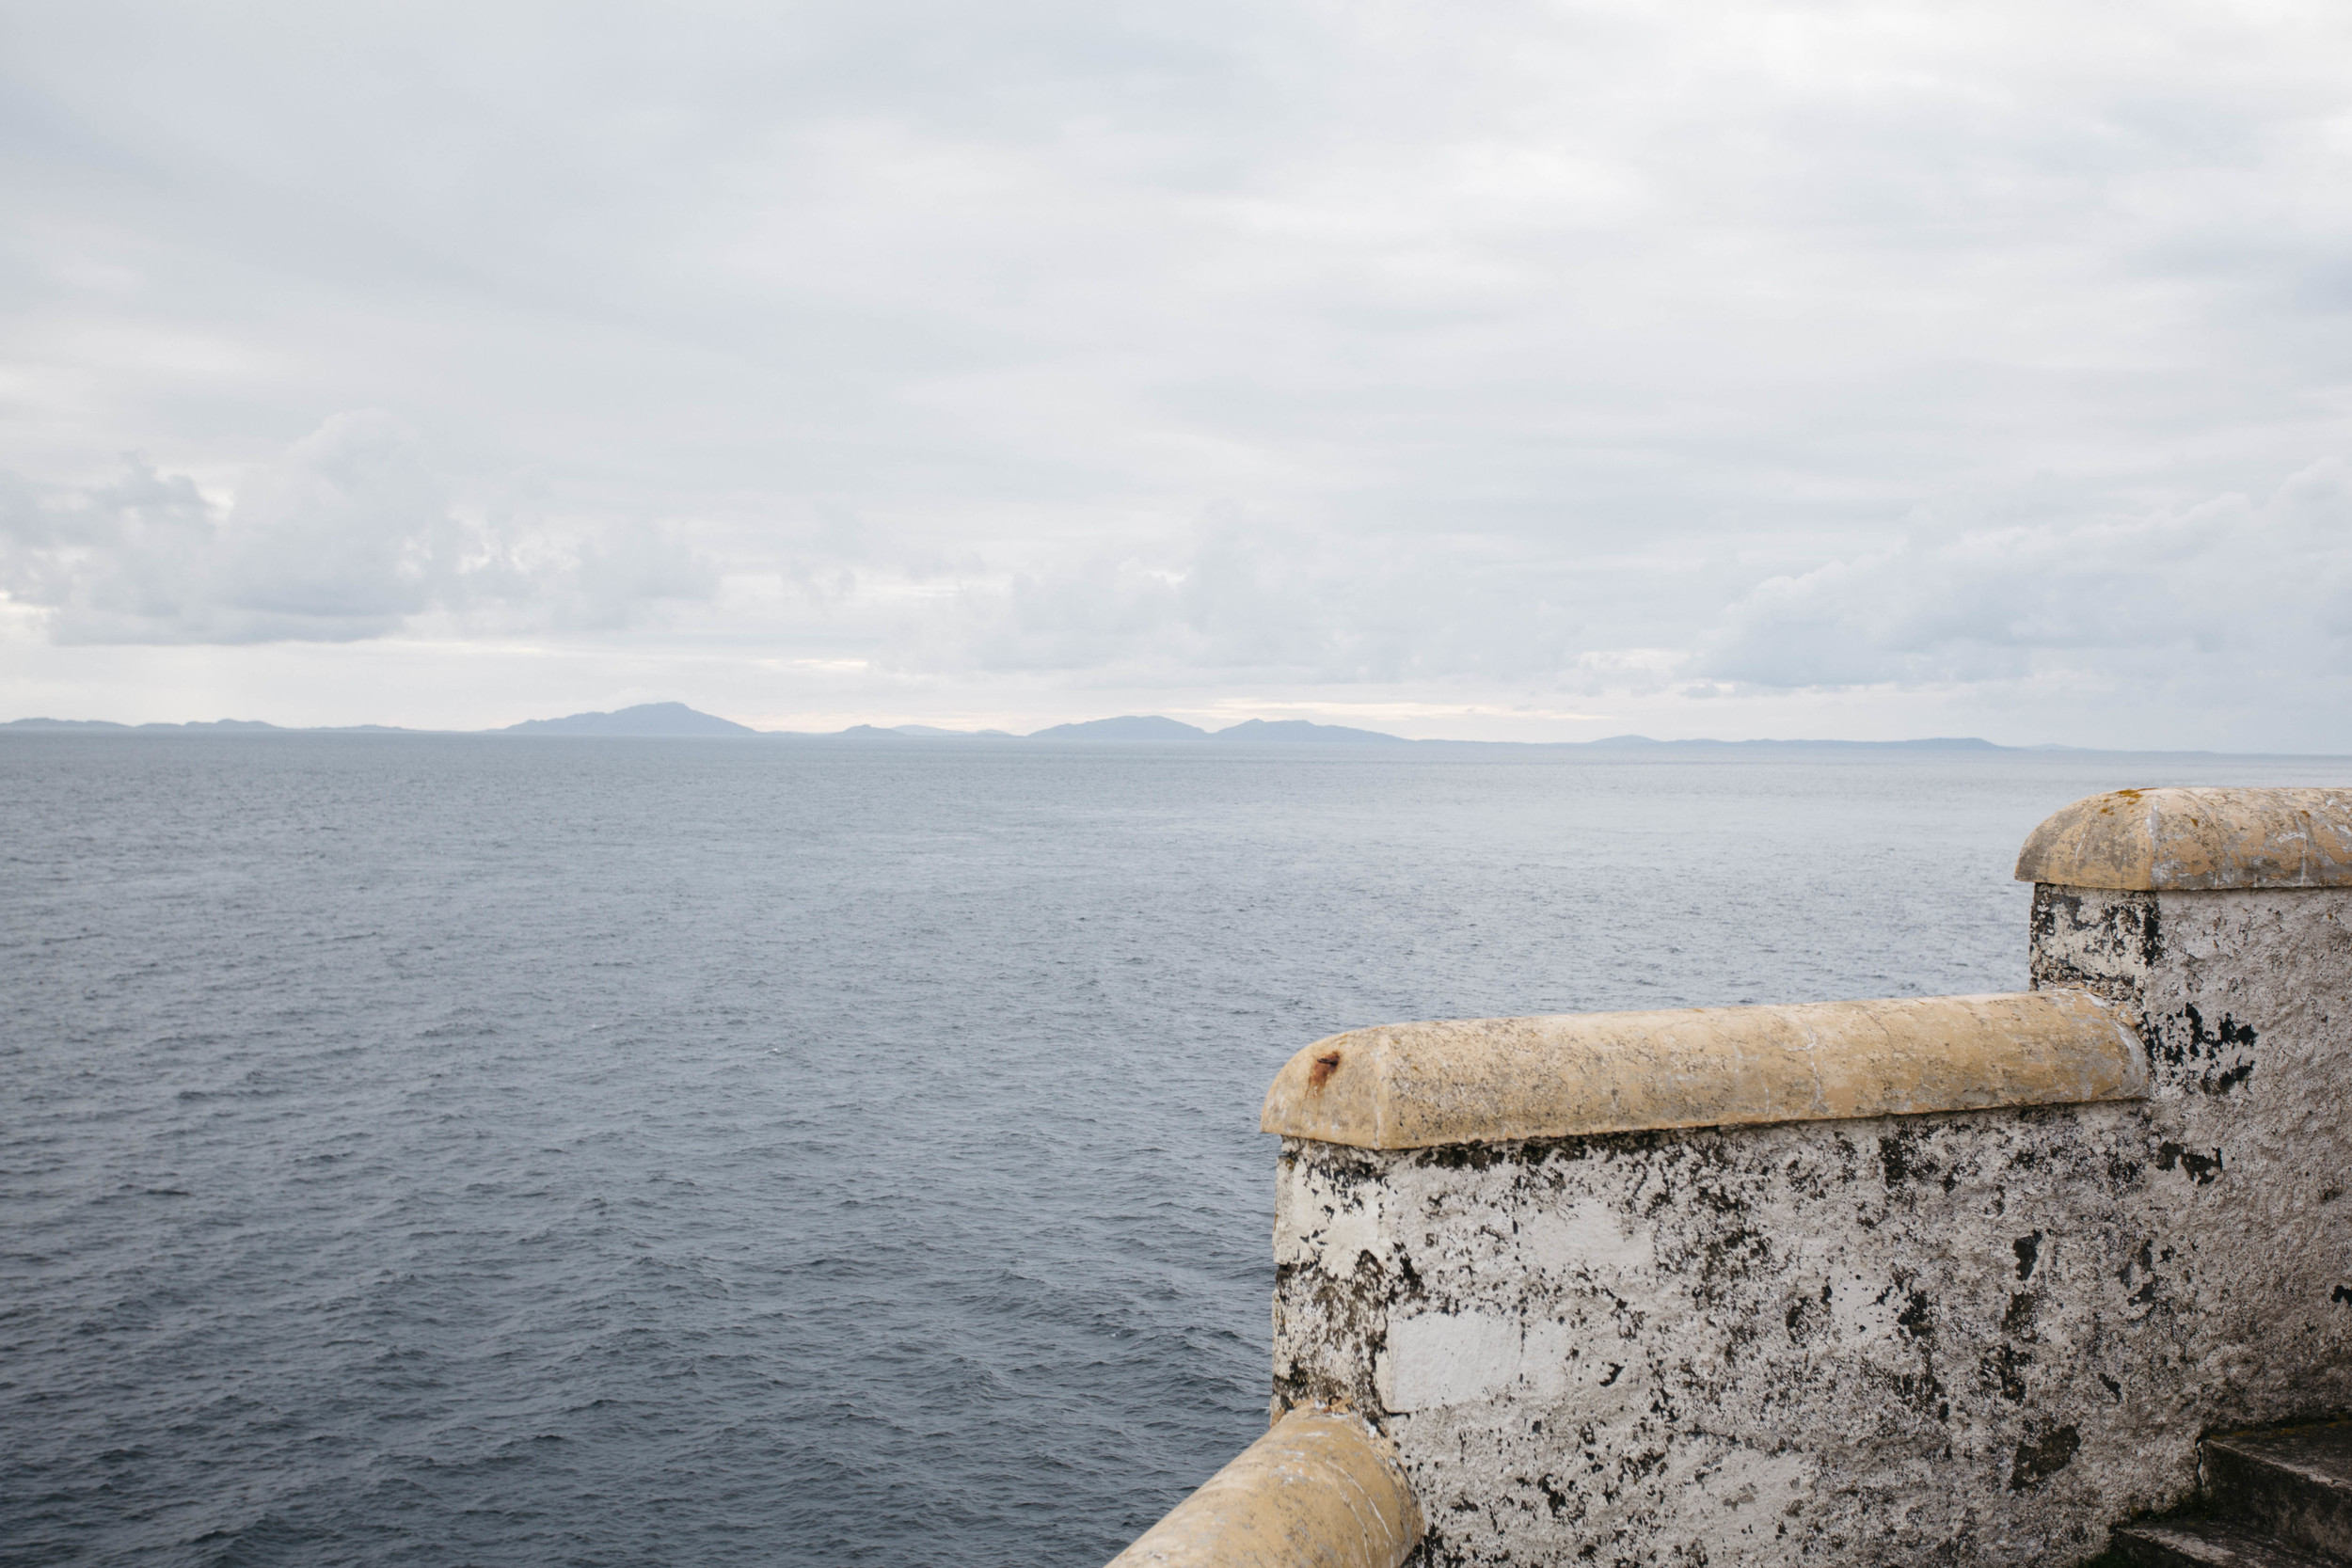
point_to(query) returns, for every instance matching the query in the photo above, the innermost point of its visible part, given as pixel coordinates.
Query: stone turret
(1959, 1279)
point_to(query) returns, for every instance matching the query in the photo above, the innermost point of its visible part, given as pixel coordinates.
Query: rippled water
(493, 1150)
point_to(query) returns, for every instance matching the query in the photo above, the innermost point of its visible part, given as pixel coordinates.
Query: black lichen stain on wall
(2202, 1168)
(2040, 1459)
(1349, 1313)
(2003, 1370)
(1901, 1160)
(2123, 935)
(1905, 1157)
(1807, 1317)
(2214, 1061)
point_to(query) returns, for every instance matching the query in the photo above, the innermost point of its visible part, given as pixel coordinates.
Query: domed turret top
(2188, 840)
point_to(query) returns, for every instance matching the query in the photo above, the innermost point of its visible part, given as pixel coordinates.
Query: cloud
(1540, 347)
(1257, 602)
(2247, 589)
(349, 536)
(2233, 593)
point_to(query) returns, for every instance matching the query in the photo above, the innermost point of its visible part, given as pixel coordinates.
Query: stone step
(2294, 1484)
(2204, 1542)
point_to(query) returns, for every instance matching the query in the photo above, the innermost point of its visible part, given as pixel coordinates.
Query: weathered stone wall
(1974, 1337)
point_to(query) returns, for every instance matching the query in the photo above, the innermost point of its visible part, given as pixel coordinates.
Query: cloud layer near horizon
(1926, 368)
(349, 535)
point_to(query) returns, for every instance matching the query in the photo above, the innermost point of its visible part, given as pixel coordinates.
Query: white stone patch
(1586, 1240)
(1347, 1235)
(1441, 1358)
(1316, 1222)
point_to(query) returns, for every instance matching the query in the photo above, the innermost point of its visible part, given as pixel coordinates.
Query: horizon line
(1310, 731)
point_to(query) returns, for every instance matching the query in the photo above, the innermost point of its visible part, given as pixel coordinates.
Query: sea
(558, 1150)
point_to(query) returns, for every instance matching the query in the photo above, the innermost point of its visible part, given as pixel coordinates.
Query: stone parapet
(1321, 1489)
(1956, 1280)
(1497, 1079)
(1954, 1339)
(1968, 1336)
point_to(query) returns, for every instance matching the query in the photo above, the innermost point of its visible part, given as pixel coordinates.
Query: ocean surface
(495, 1150)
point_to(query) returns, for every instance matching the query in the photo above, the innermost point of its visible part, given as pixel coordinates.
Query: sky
(1496, 371)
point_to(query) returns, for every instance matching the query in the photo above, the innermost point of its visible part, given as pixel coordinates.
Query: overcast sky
(1500, 370)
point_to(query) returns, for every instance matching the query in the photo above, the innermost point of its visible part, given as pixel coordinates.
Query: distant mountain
(201, 724)
(1942, 743)
(929, 731)
(645, 719)
(1300, 729)
(1130, 727)
(1945, 743)
(677, 718)
(892, 735)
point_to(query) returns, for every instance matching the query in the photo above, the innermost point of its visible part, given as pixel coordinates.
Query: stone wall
(1983, 1335)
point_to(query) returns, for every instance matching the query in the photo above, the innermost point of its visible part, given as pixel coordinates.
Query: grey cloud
(2232, 579)
(2234, 588)
(1236, 600)
(349, 536)
(937, 330)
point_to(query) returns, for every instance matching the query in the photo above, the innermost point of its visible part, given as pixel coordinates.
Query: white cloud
(1573, 348)
(348, 536)
(2246, 590)
(1237, 600)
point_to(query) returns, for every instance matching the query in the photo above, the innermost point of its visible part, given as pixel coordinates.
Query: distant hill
(1301, 730)
(201, 724)
(677, 718)
(1947, 743)
(1130, 727)
(645, 719)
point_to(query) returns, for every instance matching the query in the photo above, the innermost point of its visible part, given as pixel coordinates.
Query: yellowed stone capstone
(2192, 840)
(1414, 1085)
(1319, 1490)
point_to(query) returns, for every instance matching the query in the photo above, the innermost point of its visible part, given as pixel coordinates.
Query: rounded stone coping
(1319, 1488)
(2189, 840)
(1414, 1085)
